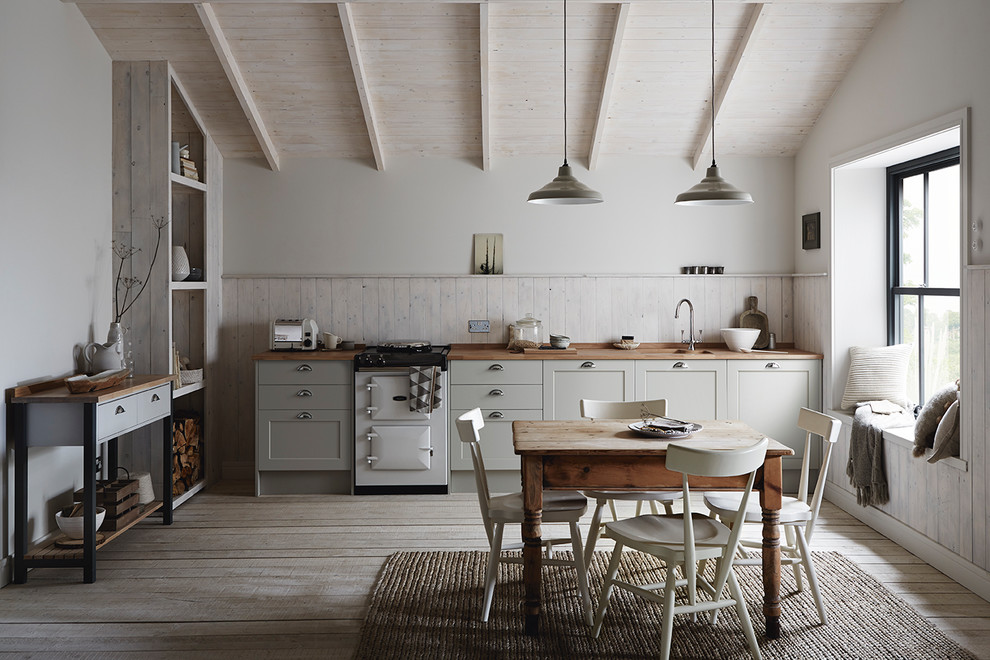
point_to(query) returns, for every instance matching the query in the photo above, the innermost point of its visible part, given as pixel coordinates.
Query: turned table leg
(532, 485)
(770, 500)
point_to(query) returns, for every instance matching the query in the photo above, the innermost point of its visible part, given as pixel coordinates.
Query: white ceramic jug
(104, 357)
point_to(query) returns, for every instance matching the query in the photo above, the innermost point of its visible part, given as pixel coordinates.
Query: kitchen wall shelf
(151, 111)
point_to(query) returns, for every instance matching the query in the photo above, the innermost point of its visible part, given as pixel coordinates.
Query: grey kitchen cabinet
(566, 382)
(505, 391)
(304, 418)
(767, 394)
(694, 389)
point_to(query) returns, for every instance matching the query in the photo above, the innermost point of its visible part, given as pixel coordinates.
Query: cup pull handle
(496, 414)
(304, 415)
(771, 365)
(304, 393)
(155, 397)
(588, 365)
(496, 367)
(119, 410)
(304, 367)
(681, 365)
(496, 392)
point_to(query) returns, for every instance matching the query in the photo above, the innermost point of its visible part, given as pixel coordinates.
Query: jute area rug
(428, 604)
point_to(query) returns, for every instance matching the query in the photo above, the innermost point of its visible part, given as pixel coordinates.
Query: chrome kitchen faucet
(677, 312)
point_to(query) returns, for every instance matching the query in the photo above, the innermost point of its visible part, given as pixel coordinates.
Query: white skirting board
(964, 572)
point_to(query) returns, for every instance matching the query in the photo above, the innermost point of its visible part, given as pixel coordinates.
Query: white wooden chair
(593, 409)
(797, 515)
(684, 540)
(496, 512)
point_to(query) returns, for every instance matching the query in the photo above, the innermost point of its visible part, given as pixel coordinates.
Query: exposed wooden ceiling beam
(361, 80)
(752, 30)
(607, 85)
(486, 99)
(241, 90)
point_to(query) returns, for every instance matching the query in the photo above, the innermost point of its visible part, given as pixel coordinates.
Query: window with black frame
(924, 268)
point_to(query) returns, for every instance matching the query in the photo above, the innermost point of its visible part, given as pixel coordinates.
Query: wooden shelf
(182, 184)
(189, 286)
(48, 549)
(195, 488)
(188, 389)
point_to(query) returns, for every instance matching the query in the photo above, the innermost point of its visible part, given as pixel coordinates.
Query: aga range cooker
(400, 418)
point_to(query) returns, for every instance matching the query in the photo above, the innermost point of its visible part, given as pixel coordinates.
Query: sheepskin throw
(865, 468)
(930, 416)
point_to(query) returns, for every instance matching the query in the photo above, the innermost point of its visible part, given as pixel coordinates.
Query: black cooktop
(402, 354)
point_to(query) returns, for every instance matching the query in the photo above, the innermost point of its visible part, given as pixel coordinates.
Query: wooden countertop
(659, 351)
(55, 391)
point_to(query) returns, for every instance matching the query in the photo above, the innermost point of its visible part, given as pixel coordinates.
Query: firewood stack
(187, 466)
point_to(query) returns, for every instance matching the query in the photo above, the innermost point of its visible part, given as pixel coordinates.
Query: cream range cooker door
(400, 448)
(390, 399)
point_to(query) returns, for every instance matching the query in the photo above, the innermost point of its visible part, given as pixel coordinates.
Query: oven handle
(371, 409)
(371, 385)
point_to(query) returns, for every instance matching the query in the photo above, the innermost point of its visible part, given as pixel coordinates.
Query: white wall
(322, 217)
(55, 225)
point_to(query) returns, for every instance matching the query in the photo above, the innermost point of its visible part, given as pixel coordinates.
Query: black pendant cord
(565, 83)
(713, 84)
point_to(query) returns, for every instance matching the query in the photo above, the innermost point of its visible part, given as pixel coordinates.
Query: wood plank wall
(945, 502)
(370, 309)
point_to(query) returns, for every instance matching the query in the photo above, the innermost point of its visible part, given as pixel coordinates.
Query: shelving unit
(151, 111)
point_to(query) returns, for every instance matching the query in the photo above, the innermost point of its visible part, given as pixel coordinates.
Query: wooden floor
(290, 577)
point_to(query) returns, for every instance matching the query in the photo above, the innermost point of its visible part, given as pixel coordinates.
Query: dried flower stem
(124, 252)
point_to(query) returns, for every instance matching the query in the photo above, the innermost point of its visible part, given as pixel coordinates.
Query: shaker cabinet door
(566, 382)
(694, 389)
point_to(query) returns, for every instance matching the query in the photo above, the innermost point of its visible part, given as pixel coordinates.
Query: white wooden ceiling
(484, 80)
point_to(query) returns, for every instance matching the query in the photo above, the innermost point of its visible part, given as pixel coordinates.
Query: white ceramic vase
(180, 263)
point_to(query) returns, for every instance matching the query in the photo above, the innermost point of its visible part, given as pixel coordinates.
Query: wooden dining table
(608, 455)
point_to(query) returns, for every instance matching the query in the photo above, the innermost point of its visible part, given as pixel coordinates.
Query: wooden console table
(48, 415)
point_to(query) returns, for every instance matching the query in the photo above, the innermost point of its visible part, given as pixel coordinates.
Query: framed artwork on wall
(811, 231)
(488, 254)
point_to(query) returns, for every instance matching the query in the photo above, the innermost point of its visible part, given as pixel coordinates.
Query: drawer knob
(496, 392)
(304, 367)
(154, 398)
(496, 367)
(119, 410)
(304, 415)
(771, 365)
(496, 414)
(304, 393)
(681, 365)
(588, 365)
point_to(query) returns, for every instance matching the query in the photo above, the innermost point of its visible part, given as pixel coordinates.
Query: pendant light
(713, 190)
(565, 188)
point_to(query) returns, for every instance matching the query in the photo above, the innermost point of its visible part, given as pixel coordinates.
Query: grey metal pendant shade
(565, 189)
(713, 190)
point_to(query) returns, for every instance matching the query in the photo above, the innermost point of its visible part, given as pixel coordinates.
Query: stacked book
(189, 169)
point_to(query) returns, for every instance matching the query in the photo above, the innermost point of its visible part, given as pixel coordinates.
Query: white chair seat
(668, 530)
(558, 506)
(724, 505)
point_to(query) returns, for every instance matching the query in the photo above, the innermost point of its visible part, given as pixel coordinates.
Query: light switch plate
(480, 326)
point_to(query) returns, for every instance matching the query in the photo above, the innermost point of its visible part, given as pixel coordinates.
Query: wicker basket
(190, 376)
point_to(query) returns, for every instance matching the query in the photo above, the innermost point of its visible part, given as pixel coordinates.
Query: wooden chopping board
(754, 318)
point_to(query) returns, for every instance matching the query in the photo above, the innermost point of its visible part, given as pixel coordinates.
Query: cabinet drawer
(303, 372)
(496, 440)
(113, 417)
(154, 404)
(290, 440)
(304, 397)
(523, 372)
(526, 397)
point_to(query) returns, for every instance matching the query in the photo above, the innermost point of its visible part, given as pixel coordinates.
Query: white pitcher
(108, 356)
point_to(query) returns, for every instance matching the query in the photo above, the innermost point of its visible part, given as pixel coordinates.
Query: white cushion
(725, 505)
(876, 374)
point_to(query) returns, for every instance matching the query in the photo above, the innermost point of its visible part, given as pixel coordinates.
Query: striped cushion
(876, 374)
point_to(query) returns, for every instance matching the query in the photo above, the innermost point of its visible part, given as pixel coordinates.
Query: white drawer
(496, 372)
(496, 440)
(113, 417)
(494, 397)
(304, 372)
(154, 404)
(304, 397)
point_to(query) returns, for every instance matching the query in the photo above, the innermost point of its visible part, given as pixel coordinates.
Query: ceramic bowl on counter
(740, 339)
(560, 341)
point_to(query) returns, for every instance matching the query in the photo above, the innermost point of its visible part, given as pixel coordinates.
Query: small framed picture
(811, 231)
(488, 254)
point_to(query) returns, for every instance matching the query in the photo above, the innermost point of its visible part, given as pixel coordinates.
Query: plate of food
(656, 428)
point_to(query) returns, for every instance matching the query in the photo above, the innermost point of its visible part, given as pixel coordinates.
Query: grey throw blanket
(866, 464)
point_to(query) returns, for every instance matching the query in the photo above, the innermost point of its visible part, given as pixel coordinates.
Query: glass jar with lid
(527, 332)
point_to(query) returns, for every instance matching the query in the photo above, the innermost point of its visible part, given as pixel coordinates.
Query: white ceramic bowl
(73, 527)
(740, 339)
